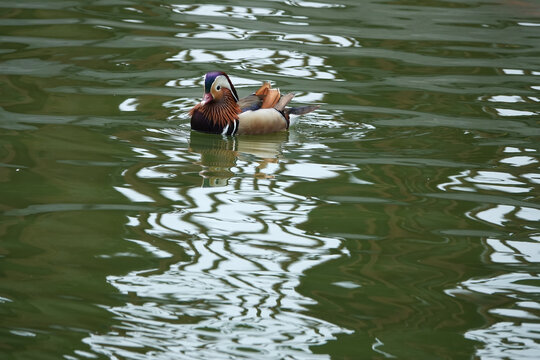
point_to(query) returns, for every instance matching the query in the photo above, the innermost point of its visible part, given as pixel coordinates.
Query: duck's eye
(218, 87)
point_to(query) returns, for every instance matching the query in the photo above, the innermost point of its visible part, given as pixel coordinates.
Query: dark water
(401, 220)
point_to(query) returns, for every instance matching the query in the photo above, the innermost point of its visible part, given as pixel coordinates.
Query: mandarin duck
(222, 112)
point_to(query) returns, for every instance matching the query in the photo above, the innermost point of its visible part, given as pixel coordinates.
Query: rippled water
(400, 220)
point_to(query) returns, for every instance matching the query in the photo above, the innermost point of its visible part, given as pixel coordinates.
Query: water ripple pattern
(399, 220)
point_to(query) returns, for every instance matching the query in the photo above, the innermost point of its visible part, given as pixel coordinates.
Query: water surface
(400, 220)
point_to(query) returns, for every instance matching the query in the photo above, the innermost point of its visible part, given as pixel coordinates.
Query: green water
(400, 220)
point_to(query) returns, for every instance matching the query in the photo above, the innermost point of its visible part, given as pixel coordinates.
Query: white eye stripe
(222, 82)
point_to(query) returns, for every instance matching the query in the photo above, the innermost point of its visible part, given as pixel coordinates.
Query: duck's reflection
(230, 259)
(221, 155)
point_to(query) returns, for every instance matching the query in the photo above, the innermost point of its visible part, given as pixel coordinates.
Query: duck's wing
(251, 102)
(265, 111)
(264, 98)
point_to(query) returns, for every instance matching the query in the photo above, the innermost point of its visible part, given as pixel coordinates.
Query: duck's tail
(285, 99)
(301, 110)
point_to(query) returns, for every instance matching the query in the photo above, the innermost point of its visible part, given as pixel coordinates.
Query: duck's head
(216, 85)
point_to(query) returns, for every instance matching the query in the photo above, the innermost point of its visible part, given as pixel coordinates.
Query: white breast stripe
(234, 128)
(224, 132)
